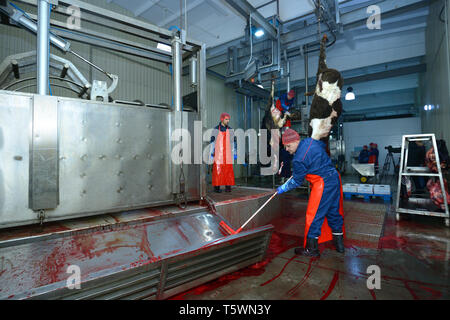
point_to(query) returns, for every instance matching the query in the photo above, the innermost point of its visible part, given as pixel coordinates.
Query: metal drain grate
(214, 261)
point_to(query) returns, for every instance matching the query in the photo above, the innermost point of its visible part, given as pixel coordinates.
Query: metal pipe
(193, 71)
(278, 49)
(447, 43)
(259, 118)
(176, 69)
(245, 129)
(306, 78)
(91, 64)
(288, 83)
(43, 47)
(249, 170)
(261, 68)
(251, 41)
(33, 27)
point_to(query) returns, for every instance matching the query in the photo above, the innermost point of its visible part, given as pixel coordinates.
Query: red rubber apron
(313, 205)
(222, 173)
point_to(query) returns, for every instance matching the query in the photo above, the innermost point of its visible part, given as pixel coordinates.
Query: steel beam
(114, 46)
(410, 66)
(245, 9)
(387, 74)
(112, 16)
(307, 34)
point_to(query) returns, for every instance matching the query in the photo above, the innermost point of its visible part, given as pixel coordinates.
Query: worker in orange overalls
(223, 148)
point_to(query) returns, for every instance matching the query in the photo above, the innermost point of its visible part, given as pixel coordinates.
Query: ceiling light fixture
(259, 33)
(349, 95)
(164, 47)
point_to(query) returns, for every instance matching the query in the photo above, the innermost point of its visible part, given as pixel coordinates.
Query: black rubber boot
(227, 188)
(338, 240)
(311, 250)
(217, 189)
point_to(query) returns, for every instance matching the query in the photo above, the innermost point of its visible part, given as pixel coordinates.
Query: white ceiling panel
(290, 9)
(269, 10)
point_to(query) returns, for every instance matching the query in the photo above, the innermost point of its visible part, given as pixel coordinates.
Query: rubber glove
(281, 189)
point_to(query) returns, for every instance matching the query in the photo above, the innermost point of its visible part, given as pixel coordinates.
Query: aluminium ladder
(405, 171)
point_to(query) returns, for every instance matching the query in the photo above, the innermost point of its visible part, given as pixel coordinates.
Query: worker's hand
(212, 156)
(235, 156)
(281, 189)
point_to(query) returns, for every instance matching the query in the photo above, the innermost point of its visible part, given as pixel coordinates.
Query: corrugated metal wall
(435, 87)
(139, 78)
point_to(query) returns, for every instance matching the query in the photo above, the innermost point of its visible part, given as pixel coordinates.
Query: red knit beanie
(224, 115)
(289, 136)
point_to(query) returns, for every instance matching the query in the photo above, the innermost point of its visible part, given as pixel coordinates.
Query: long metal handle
(261, 207)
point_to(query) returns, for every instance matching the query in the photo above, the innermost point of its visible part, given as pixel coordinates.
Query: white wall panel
(435, 86)
(382, 132)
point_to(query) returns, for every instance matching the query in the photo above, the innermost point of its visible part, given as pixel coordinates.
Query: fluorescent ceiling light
(259, 33)
(164, 47)
(349, 95)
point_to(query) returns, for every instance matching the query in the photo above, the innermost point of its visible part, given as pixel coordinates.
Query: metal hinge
(41, 216)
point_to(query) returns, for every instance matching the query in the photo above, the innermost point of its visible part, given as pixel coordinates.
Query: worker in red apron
(223, 147)
(324, 214)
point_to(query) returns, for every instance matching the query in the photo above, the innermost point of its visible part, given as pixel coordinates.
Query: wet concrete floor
(412, 256)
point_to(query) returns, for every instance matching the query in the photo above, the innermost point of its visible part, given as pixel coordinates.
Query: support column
(43, 46)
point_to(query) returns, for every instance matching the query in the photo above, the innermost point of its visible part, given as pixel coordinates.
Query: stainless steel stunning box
(73, 157)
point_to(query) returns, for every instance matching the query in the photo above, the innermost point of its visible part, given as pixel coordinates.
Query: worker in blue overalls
(311, 161)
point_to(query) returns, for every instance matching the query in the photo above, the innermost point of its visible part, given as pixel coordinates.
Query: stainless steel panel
(128, 261)
(15, 131)
(43, 184)
(176, 124)
(111, 158)
(192, 171)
